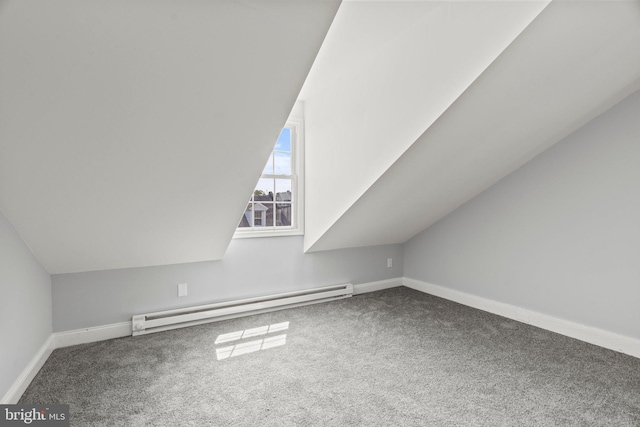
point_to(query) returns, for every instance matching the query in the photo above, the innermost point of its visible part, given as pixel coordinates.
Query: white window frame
(297, 190)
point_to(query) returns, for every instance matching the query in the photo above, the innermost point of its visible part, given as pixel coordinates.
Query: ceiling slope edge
(352, 107)
(547, 84)
(123, 125)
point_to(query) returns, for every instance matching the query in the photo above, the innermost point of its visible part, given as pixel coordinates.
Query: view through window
(272, 204)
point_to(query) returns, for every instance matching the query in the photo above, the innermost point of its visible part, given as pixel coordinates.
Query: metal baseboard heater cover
(183, 317)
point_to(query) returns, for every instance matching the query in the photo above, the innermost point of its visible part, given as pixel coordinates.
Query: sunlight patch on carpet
(251, 346)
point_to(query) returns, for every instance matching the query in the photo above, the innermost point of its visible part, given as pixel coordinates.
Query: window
(275, 206)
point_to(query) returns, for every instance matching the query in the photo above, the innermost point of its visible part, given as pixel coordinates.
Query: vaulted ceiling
(133, 131)
(413, 108)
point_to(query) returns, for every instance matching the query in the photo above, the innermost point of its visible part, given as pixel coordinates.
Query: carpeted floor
(390, 358)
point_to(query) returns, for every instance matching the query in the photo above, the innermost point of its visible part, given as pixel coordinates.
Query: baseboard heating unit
(182, 317)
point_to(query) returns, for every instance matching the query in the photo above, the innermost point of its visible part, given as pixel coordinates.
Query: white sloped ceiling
(133, 131)
(452, 102)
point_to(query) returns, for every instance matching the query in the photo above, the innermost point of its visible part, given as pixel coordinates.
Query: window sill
(267, 233)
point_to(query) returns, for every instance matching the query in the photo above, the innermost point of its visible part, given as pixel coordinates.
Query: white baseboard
(22, 382)
(377, 286)
(599, 337)
(123, 329)
(94, 334)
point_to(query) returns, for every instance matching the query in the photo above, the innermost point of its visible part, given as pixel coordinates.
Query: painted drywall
(251, 267)
(25, 305)
(572, 62)
(133, 131)
(559, 236)
(362, 117)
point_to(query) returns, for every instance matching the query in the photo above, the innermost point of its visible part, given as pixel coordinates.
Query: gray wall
(560, 236)
(251, 267)
(25, 305)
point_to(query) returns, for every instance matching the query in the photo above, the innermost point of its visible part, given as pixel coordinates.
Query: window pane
(262, 214)
(284, 140)
(271, 203)
(247, 218)
(282, 163)
(283, 214)
(270, 215)
(264, 190)
(268, 168)
(283, 190)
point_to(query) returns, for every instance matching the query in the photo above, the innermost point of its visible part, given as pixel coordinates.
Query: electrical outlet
(389, 262)
(182, 289)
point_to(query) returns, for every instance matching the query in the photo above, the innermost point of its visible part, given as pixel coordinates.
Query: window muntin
(273, 207)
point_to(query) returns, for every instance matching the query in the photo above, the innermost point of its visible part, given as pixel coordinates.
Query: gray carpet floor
(391, 358)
